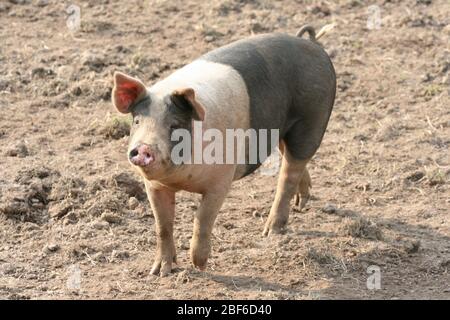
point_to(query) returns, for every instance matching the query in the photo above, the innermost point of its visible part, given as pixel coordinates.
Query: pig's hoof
(161, 267)
(273, 228)
(201, 265)
(303, 202)
(199, 257)
(272, 231)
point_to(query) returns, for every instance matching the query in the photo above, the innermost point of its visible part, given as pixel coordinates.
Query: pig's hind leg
(302, 194)
(291, 173)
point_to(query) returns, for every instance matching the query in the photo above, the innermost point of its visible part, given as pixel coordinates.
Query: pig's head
(155, 117)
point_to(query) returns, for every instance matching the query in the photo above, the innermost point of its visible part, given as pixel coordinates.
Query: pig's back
(288, 80)
(278, 70)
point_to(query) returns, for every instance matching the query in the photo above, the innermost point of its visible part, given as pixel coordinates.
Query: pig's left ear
(126, 91)
(186, 97)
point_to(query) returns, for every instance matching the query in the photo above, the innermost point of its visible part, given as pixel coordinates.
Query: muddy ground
(381, 179)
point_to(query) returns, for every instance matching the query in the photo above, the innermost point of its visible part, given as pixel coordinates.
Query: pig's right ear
(185, 97)
(126, 91)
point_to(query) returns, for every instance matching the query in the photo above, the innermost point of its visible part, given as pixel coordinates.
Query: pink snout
(141, 155)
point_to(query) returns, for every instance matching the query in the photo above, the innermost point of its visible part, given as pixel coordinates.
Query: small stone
(133, 203)
(119, 255)
(76, 91)
(256, 214)
(209, 38)
(426, 77)
(110, 217)
(41, 72)
(229, 225)
(183, 244)
(257, 27)
(100, 225)
(20, 150)
(42, 3)
(52, 247)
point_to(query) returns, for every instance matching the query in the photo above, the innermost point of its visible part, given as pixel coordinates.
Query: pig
(269, 81)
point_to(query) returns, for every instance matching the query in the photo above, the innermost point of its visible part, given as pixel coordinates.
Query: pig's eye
(136, 121)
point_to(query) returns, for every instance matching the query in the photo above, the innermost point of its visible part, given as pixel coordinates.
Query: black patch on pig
(178, 104)
(141, 107)
(291, 84)
(179, 115)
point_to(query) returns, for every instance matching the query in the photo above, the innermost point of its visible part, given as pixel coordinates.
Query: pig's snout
(141, 155)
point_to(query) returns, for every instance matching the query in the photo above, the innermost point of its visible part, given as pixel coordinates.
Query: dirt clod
(116, 128)
(128, 184)
(111, 217)
(60, 209)
(412, 246)
(362, 227)
(19, 150)
(416, 176)
(99, 225)
(329, 208)
(52, 247)
(133, 203)
(95, 61)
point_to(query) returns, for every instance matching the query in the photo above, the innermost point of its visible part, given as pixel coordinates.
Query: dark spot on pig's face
(179, 114)
(154, 120)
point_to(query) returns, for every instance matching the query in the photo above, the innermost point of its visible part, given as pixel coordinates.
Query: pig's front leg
(162, 201)
(204, 219)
